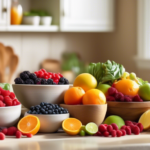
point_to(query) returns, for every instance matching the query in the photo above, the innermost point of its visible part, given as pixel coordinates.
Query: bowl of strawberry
(10, 108)
(40, 86)
(125, 106)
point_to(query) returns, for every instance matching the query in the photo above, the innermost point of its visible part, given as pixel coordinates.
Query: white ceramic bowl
(31, 95)
(9, 116)
(46, 20)
(50, 123)
(31, 20)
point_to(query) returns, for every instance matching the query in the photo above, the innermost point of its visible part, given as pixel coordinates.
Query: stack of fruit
(41, 77)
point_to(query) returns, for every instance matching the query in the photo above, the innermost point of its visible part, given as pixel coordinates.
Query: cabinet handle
(4, 10)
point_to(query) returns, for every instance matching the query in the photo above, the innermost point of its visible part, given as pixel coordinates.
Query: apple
(104, 88)
(114, 119)
(144, 92)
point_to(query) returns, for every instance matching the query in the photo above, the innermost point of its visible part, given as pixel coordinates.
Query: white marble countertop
(62, 141)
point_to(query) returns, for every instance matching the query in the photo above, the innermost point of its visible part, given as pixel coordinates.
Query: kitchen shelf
(31, 28)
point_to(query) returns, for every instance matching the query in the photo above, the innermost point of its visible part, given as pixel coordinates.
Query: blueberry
(32, 108)
(56, 106)
(50, 107)
(54, 112)
(42, 104)
(53, 106)
(34, 112)
(57, 112)
(50, 111)
(46, 108)
(37, 108)
(46, 112)
(29, 112)
(61, 112)
(42, 110)
(59, 109)
(38, 111)
(62, 108)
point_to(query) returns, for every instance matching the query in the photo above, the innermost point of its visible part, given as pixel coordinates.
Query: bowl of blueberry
(41, 86)
(50, 115)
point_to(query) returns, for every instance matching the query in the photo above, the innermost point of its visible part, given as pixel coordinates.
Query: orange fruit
(73, 96)
(127, 87)
(94, 96)
(71, 126)
(29, 124)
(86, 81)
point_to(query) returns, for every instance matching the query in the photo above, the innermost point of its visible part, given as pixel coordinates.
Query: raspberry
(99, 133)
(12, 95)
(123, 132)
(106, 134)
(4, 131)
(123, 127)
(128, 123)
(140, 126)
(16, 102)
(5, 93)
(43, 70)
(29, 135)
(2, 136)
(112, 91)
(119, 133)
(136, 98)
(136, 130)
(8, 101)
(46, 77)
(102, 128)
(119, 96)
(11, 131)
(135, 123)
(18, 134)
(60, 75)
(115, 127)
(128, 130)
(110, 98)
(132, 126)
(2, 104)
(1, 98)
(109, 128)
(105, 125)
(113, 133)
(127, 99)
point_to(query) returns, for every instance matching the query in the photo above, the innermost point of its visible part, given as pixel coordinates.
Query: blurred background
(65, 35)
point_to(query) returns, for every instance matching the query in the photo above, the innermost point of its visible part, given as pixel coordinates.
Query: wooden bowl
(128, 110)
(87, 113)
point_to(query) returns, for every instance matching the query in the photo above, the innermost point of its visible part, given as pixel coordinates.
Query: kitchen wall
(119, 45)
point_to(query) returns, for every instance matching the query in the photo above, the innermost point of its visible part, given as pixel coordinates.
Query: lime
(82, 133)
(91, 128)
(82, 128)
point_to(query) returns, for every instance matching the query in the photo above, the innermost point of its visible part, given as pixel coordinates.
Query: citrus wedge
(71, 126)
(29, 124)
(91, 128)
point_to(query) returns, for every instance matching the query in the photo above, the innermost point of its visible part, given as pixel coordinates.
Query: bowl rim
(48, 114)
(38, 85)
(10, 106)
(128, 102)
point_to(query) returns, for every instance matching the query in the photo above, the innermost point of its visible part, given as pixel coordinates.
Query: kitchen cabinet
(4, 13)
(68, 15)
(87, 15)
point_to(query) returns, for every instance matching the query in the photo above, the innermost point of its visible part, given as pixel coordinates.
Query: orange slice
(71, 126)
(29, 124)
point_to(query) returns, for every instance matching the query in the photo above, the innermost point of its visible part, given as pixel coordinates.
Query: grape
(125, 75)
(132, 76)
(82, 133)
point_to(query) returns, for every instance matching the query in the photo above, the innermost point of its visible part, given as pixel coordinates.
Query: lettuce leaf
(106, 72)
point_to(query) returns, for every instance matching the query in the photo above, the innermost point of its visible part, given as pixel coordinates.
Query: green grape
(132, 76)
(82, 133)
(125, 75)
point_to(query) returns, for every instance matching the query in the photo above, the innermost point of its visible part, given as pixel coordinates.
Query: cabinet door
(87, 15)
(4, 13)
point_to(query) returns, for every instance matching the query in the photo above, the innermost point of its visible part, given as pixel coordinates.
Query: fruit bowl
(31, 95)
(50, 123)
(87, 113)
(9, 116)
(128, 110)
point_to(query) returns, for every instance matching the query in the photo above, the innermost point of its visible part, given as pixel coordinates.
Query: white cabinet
(4, 13)
(87, 15)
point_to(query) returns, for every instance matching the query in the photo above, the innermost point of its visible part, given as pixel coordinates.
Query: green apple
(103, 87)
(114, 119)
(144, 92)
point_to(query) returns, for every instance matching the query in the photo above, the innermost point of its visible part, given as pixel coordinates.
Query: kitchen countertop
(62, 141)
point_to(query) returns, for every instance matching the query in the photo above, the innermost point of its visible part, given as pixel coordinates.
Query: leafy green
(106, 72)
(141, 81)
(5, 86)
